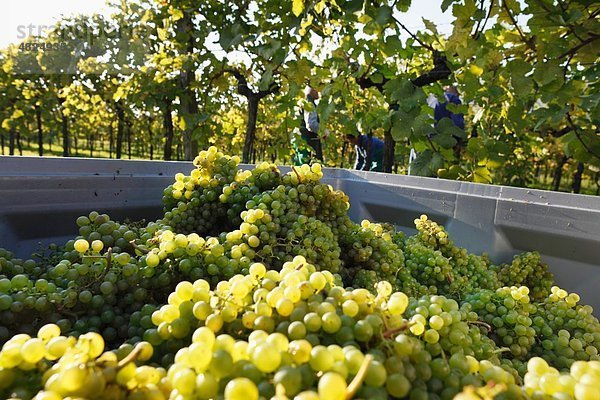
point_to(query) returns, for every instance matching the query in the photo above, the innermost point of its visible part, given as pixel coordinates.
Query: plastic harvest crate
(40, 198)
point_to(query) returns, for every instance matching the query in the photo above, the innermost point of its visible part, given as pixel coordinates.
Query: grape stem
(131, 357)
(359, 377)
(391, 332)
(485, 325)
(140, 249)
(108, 258)
(297, 174)
(501, 350)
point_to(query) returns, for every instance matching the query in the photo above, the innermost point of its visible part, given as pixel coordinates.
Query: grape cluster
(443, 268)
(256, 284)
(506, 312)
(52, 366)
(567, 332)
(370, 256)
(192, 202)
(527, 269)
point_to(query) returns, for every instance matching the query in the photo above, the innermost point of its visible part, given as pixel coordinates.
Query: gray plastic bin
(40, 198)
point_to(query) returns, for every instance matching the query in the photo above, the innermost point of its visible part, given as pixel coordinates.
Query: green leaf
(547, 72)
(403, 91)
(427, 163)
(446, 4)
(297, 7)
(522, 85)
(230, 36)
(265, 80)
(383, 15)
(392, 45)
(376, 78)
(446, 127)
(446, 141)
(191, 121)
(518, 67)
(430, 26)
(465, 11)
(422, 125)
(402, 5)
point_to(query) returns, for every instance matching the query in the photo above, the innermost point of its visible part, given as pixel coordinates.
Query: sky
(19, 17)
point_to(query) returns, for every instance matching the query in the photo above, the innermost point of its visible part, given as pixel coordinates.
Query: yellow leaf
(17, 114)
(176, 14)
(482, 175)
(297, 7)
(306, 22)
(475, 70)
(320, 6)
(181, 124)
(119, 94)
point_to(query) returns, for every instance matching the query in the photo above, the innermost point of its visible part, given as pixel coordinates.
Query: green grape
(332, 386)
(266, 357)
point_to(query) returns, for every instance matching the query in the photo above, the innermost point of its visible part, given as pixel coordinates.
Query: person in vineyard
(440, 111)
(369, 152)
(309, 147)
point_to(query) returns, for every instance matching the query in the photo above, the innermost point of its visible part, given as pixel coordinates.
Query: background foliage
(183, 74)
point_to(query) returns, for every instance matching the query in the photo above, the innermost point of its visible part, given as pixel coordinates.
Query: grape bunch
(443, 268)
(567, 332)
(507, 313)
(370, 256)
(256, 284)
(527, 269)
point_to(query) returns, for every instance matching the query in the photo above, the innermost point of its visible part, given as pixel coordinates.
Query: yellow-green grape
(185, 381)
(184, 290)
(436, 322)
(152, 260)
(321, 359)
(207, 386)
(81, 245)
(253, 241)
(48, 332)
(397, 303)
(384, 288)
(95, 343)
(257, 270)
(241, 389)
(200, 356)
(398, 385)
(332, 386)
(57, 347)
(307, 395)
(266, 357)
(146, 351)
(300, 351)
(33, 350)
(97, 245)
(47, 395)
(70, 378)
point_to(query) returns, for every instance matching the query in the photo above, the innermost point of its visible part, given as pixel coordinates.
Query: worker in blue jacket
(365, 145)
(440, 111)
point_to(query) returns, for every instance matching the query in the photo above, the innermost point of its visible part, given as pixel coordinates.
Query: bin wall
(40, 198)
